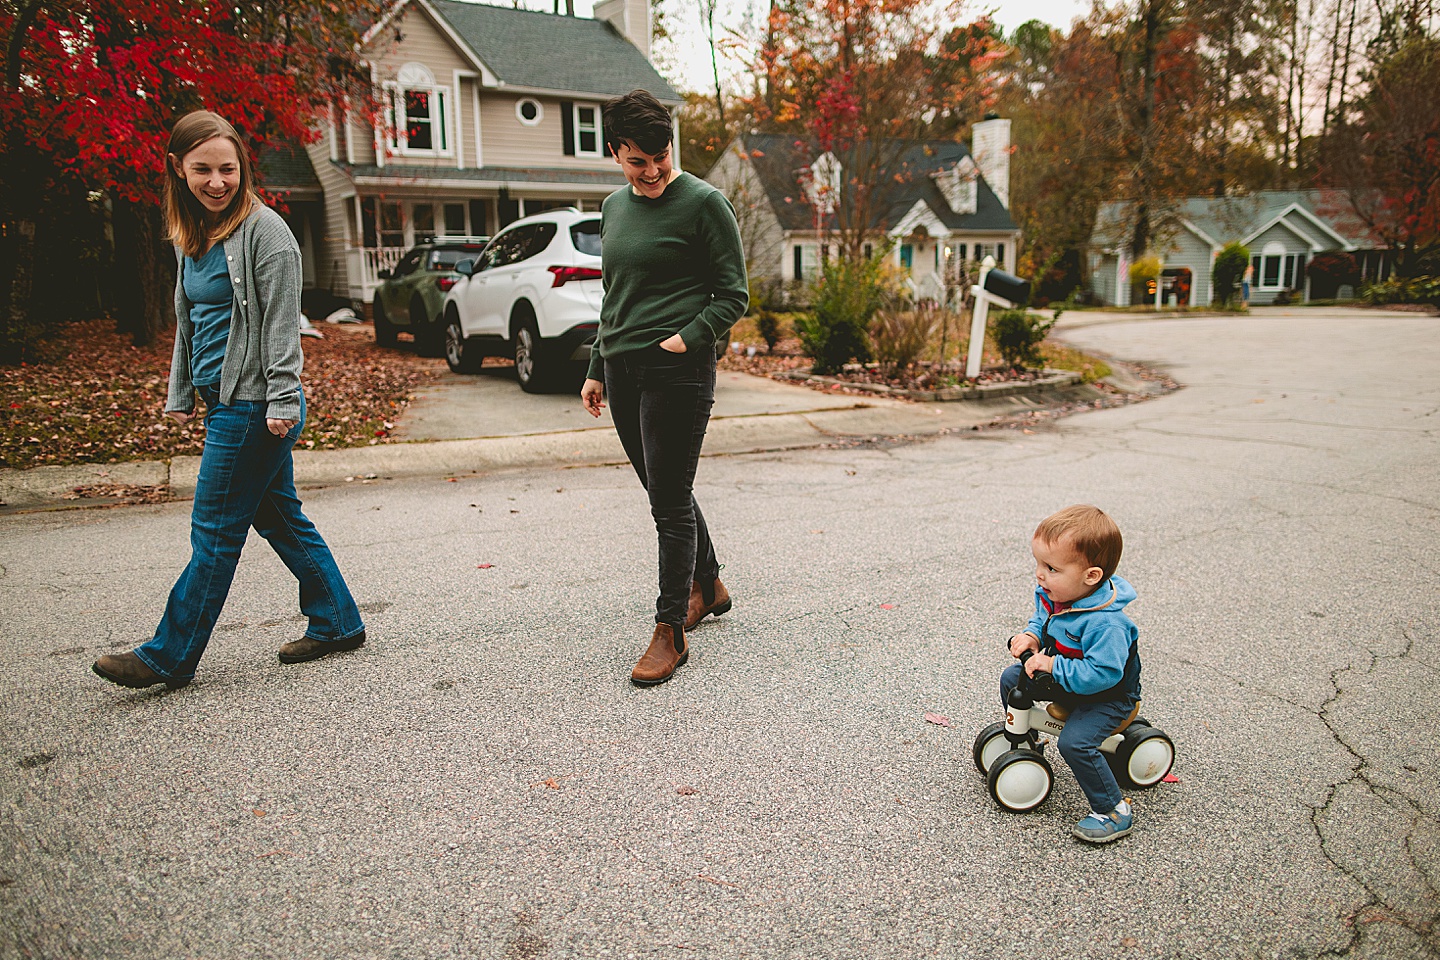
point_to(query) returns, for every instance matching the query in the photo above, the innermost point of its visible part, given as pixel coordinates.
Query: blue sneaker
(1098, 829)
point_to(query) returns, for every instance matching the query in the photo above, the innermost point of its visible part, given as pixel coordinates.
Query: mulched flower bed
(787, 361)
(94, 398)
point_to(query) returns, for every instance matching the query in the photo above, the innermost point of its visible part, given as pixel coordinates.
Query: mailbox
(1007, 286)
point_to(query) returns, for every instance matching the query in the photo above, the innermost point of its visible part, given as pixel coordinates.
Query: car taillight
(565, 274)
(445, 283)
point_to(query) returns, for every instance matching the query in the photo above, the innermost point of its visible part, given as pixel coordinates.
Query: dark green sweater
(671, 265)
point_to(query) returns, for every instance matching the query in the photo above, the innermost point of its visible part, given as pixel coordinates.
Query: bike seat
(1062, 713)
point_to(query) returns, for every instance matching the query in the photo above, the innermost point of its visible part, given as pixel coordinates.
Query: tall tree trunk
(707, 14)
(143, 280)
(1153, 13)
(19, 254)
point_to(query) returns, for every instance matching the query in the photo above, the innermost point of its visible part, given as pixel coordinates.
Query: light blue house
(1284, 230)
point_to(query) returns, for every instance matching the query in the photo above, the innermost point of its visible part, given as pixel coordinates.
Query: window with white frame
(529, 111)
(417, 111)
(587, 130)
(807, 260)
(1274, 269)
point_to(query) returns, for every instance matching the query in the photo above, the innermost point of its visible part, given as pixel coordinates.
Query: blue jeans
(246, 478)
(1088, 726)
(660, 402)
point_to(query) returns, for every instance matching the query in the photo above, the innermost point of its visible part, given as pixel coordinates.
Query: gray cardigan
(263, 358)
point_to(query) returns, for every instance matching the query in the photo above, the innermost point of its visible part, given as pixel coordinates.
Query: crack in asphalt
(1376, 907)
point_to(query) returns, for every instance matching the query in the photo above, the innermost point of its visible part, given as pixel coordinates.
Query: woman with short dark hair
(675, 283)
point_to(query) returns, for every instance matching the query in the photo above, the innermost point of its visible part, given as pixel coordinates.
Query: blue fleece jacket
(1095, 645)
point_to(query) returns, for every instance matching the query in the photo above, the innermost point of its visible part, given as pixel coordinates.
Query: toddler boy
(1081, 636)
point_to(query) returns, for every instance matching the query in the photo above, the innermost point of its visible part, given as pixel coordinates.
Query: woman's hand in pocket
(673, 344)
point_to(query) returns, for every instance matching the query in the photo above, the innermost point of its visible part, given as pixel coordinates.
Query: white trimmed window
(1274, 269)
(417, 113)
(587, 130)
(529, 111)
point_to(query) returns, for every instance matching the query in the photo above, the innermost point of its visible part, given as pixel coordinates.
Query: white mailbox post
(997, 287)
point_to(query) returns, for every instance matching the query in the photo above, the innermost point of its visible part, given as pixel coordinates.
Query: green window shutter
(567, 126)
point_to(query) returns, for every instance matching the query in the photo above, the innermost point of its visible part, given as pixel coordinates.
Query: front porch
(389, 225)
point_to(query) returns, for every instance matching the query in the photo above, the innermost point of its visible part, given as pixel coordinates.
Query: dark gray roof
(1229, 219)
(398, 171)
(525, 48)
(286, 166)
(779, 160)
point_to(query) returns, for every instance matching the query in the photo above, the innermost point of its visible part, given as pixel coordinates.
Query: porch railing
(365, 266)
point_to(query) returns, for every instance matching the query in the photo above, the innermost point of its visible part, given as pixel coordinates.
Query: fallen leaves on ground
(940, 720)
(120, 492)
(92, 397)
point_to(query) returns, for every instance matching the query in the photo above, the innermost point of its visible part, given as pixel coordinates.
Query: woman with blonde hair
(237, 343)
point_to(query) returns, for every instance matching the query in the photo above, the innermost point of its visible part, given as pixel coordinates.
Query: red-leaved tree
(92, 87)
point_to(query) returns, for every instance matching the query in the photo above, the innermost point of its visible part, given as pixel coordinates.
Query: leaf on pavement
(937, 719)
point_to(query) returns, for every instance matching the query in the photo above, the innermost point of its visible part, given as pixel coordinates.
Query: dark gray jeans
(660, 402)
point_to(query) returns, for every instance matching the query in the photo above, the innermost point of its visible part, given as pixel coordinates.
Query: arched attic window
(418, 114)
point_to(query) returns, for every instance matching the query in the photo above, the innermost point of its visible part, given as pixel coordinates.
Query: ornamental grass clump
(899, 335)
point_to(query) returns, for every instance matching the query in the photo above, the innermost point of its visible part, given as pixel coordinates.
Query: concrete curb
(48, 487)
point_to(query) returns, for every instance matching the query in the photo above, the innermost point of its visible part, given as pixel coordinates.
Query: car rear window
(447, 258)
(586, 237)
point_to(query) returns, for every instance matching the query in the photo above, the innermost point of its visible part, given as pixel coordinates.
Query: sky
(694, 67)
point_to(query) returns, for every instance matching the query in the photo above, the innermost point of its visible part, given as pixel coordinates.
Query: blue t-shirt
(212, 301)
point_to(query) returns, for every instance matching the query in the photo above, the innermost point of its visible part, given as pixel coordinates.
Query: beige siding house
(489, 114)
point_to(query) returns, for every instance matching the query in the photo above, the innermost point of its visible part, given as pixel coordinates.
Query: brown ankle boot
(667, 652)
(700, 607)
(130, 671)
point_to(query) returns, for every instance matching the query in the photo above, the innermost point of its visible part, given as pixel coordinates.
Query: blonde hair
(185, 219)
(1094, 535)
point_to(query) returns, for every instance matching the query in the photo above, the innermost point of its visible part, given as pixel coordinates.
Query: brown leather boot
(308, 648)
(130, 671)
(717, 604)
(668, 651)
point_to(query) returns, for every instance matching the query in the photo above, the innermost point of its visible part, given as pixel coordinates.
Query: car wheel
(384, 329)
(429, 334)
(531, 366)
(460, 356)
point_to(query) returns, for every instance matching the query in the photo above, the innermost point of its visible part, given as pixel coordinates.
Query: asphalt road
(481, 780)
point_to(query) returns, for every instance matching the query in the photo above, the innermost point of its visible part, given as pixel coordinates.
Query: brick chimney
(631, 18)
(990, 146)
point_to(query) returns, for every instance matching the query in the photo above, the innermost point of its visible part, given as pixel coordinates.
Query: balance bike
(1011, 755)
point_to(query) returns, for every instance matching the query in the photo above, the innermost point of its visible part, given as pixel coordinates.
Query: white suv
(533, 294)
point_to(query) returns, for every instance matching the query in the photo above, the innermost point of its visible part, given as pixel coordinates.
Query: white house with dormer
(940, 205)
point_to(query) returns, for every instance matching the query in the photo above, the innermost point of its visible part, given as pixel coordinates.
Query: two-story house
(938, 205)
(490, 114)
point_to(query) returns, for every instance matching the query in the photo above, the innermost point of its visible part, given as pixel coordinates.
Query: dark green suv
(410, 297)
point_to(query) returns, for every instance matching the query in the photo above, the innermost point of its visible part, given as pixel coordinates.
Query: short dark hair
(638, 119)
